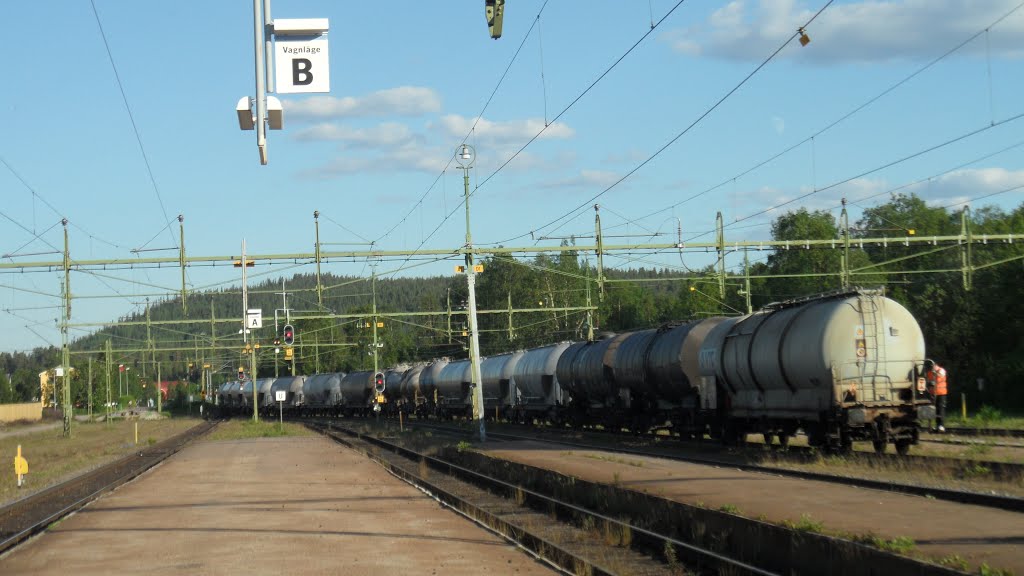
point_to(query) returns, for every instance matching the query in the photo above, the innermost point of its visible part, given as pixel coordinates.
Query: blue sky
(408, 82)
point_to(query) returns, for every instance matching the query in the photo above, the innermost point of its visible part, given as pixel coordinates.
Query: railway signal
(241, 373)
(378, 382)
(289, 335)
(494, 11)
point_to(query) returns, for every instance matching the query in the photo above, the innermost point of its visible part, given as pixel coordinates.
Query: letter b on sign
(301, 65)
(302, 72)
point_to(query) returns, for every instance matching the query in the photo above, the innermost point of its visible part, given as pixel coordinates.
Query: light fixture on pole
(465, 156)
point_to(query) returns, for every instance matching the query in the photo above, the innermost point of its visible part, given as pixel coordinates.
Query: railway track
(499, 494)
(499, 506)
(1000, 432)
(960, 496)
(32, 514)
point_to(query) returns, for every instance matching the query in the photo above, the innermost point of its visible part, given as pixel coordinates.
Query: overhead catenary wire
(584, 205)
(539, 133)
(864, 105)
(911, 156)
(472, 128)
(131, 117)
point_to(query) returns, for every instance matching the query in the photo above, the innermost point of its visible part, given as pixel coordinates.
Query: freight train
(842, 367)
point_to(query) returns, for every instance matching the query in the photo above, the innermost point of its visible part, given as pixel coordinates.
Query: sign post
(280, 395)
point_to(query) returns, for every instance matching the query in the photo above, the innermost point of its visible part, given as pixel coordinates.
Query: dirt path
(268, 506)
(940, 529)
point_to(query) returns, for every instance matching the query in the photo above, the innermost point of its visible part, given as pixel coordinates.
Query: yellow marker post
(20, 467)
(136, 433)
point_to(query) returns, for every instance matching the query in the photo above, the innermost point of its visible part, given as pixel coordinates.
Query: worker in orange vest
(935, 378)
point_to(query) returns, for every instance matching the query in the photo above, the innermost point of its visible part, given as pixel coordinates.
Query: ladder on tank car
(874, 348)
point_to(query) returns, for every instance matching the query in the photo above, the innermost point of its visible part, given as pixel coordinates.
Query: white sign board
(280, 395)
(301, 64)
(254, 318)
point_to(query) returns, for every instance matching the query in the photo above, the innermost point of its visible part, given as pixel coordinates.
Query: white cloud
(400, 101)
(961, 186)
(586, 179)
(779, 125)
(500, 133)
(386, 134)
(860, 31)
(410, 156)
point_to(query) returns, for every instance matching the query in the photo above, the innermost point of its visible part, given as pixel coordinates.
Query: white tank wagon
(454, 392)
(536, 384)
(498, 390)
(264, 396)
(321, 394)
(428, 382)
(234, 394)
(407, 396)
(843, 367)
(222, 394)
(292, 387)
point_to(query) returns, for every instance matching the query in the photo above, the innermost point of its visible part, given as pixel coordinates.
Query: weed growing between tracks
(246, 429)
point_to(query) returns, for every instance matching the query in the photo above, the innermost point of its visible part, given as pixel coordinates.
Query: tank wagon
(538, 393)
(292, 387)
(321, 395)
(496, 373)
(842, 367)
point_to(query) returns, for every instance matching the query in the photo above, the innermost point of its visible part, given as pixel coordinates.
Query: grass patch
(53, 459)
(986, 570)
(988, 417)
(243, 429)
(729, 509)
(897, 545)
(805, 524)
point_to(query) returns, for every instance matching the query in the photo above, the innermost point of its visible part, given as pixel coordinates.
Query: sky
(663, 112)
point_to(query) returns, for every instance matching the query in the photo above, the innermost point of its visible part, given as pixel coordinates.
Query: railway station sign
(254, 318)
(301, 63)
(280, 395)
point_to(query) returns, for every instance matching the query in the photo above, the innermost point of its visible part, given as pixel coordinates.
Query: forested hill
(976, 334)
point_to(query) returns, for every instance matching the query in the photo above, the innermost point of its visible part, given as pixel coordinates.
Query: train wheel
(903, 447)
(783, 441)
(880, 446)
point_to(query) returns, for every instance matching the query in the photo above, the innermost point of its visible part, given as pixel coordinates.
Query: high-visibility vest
(936, 378)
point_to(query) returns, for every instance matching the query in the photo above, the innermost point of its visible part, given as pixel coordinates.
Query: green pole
(65, 352)
(90, 387)
(110, 363)
(181, 262)
(319, 286)
(159, 396)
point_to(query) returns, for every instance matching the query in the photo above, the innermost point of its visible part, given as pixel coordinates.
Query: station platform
(267, 506)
